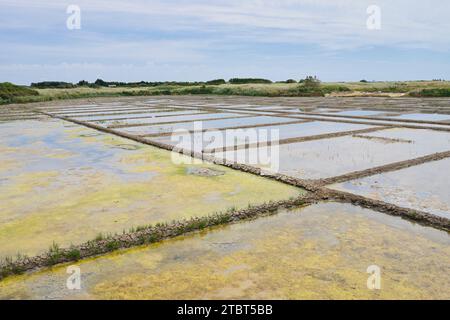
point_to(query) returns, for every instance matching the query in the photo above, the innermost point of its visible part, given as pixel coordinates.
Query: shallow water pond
(100, 110)
(206, 124)
(317, 252)
(424, 187)
(149, 114)
(220, 139)
(375, 121)
(187, 117)
(425, 116)
(360, 113)
(336, 156)
(66, 183)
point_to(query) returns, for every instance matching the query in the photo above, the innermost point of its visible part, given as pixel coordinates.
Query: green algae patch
(68, 184)
(317, 252)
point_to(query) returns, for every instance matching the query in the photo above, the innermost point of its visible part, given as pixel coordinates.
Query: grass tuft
(54, 254)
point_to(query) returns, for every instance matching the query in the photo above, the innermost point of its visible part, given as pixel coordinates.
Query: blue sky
(200, 40)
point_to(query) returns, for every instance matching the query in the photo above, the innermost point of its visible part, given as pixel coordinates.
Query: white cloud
(338, 23)
(220, 37)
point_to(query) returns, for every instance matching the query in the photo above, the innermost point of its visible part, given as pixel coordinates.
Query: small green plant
(140, 228)
(99, 237)
(152, 238)
(54, 254)
(113, 245)
(73, 254)
(8, 266)
(223, 218)
(21, 257)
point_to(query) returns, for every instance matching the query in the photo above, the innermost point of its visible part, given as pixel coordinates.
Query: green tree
(311, 82)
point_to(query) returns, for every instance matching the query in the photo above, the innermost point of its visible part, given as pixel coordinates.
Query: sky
(197, 40)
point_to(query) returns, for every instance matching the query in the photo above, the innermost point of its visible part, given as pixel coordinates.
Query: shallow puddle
(229, 138)
(374, 121)
(98, 111)
(149, 121)
(336, 156)
(360, 113)
(321, 110)
(425, 116)
(317, 252)
(424, 187)
(268, 108)
(206, 124)
(65, 183)
(150, 114)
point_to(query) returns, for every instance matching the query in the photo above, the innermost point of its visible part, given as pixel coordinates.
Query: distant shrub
(216, 82)
(197, 90)
(83, 83)
(334, 88)
(302, 91)
(52, 85)
(394, 88)
(9, 91)
(225, 91)
(438, 92)
(311, 82)
(101, 83)
(287, 81)
(248, 80)
(364, 81)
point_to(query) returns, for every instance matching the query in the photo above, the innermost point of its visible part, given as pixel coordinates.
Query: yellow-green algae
(69, 183)
(316, 252)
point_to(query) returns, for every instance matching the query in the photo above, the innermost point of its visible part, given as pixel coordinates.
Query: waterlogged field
(379, 121)
(221, 139)
(67, 184)
(116, 116)
(337, 156)
(423, 187)
(425, 117)
(359, 113)
(168, 119)
(317, 252)
(205, 125)
(62, 182)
